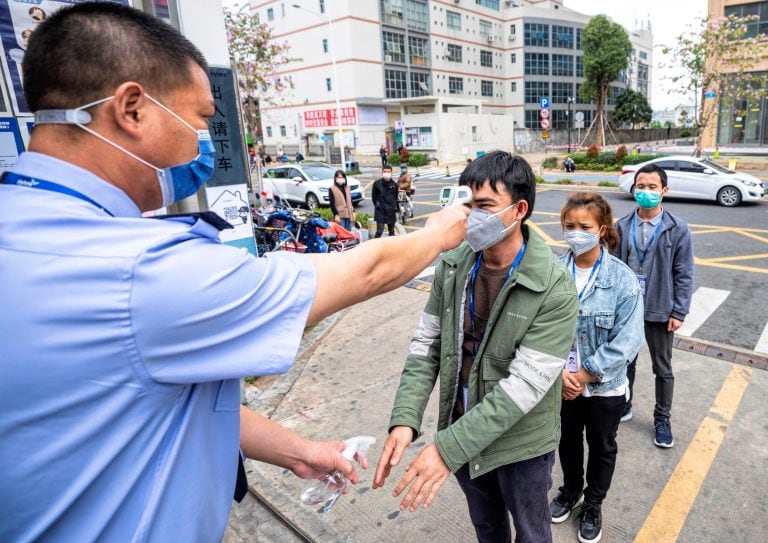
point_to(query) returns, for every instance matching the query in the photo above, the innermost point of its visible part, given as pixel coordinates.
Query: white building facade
(487, 58)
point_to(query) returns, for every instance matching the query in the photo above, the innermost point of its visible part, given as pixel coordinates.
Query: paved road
(731, 248)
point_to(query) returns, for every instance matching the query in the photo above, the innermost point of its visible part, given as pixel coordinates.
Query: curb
(718, 351)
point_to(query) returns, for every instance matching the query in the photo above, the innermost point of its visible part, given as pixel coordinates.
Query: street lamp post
(570, 101)
(332, 48)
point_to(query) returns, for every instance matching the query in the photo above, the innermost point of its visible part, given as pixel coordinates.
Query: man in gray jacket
(659, 249)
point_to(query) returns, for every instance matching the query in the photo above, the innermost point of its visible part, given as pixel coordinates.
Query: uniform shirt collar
(64, 173)
(654, 221)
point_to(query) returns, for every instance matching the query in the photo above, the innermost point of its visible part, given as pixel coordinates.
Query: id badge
(572, 362)
(642, 279)
(465, 396)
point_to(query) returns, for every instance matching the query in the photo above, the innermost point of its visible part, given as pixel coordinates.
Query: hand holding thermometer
(455, 194)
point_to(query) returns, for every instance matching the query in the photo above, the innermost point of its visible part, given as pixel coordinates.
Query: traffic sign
(545, 124)
(544, 113)
(544, 134)
(544, 102)
(709, 94)
(579, 116)
(578, 125)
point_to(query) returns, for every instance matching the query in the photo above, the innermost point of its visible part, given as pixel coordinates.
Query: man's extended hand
(320, 457)
(399, 439)
(427, 472)
(673, 325)
(451, 224)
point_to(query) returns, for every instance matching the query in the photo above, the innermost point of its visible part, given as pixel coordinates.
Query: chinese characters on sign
(321, 118)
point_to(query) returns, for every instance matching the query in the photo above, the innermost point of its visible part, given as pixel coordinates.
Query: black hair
(513, 171)
(81, 53)
(340, 172)
(386, 167)
(652, 168)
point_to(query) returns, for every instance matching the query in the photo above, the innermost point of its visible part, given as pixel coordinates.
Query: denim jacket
(610, 329)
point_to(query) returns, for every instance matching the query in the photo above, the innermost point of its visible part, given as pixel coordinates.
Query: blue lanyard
(641, 255)
(594, 269)
(10, 178)
(475, 269)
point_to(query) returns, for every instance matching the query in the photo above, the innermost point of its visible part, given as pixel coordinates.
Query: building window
(454, 53)
(395, 84)
(486, 28)
(512, 30)
(613, 93)
(419, 136)
(513, 86)
(642, 71)
(513, 58)
(578, 38)
(282, 10)
(322, 6)
(486, 59)
(328, 84)
(283, 132)
(562, 37)
(269, 131)
(420, 84)
(418, 48)
(579, 100)
(270, 14)
(392, 12)
(559, 119)
(562, 65)
(536, 64)
(535, 90)
(417, 15)
(561, 92)
(394, 47)
(758, 10)
(486, 88)
(643, 55)
(536, 34)
(579, 67)
(325, 45)
(493, 4)
(453, 20)
(532, 119)
(455, 85)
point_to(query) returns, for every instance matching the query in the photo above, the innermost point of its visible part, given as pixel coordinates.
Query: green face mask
(647, 199)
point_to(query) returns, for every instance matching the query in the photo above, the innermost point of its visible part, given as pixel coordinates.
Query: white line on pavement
(430, 270)
(705, 302)
(762, 343)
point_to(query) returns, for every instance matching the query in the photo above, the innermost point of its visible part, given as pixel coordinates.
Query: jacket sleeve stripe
(427, 332)
(531, 374)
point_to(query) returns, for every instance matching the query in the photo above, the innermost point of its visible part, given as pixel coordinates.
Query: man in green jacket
(497, 328)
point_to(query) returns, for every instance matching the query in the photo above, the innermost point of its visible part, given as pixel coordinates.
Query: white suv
(307, 183)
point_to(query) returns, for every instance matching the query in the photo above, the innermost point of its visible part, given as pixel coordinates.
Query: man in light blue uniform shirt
(123, 338)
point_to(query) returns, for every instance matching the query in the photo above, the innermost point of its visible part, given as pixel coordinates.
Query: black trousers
(520, 489)
(660, 346)
(599, 416)
(380, 229)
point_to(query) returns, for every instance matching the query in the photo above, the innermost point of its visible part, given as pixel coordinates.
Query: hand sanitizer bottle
(330, 486)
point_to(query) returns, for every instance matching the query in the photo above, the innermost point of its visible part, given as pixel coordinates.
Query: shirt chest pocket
(603, 326)
(228, 396)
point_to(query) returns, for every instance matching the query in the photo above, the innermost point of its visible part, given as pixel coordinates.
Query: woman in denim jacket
(609, 334)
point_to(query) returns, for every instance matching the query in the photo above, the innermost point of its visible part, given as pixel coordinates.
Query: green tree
(719, 57)
(632, 107)
(606, 52)
(257, 58)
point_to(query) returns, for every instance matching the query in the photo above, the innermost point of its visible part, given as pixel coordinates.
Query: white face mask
(386, 175)
(581, 241)
(340, 181)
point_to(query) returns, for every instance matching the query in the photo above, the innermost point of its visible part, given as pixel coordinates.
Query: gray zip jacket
(670, 279)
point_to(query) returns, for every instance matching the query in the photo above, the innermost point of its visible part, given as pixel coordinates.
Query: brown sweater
(341, 202)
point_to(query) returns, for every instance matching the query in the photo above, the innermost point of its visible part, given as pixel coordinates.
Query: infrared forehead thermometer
(455, 194)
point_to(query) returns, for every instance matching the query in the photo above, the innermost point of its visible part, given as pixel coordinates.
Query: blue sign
(544, 102)
(709, 94)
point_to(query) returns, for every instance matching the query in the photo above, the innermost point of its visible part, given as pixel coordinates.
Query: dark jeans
(520, 489)
(380, 229)
(599, 416)
(660, 346)
(383, 161)
(346, 223)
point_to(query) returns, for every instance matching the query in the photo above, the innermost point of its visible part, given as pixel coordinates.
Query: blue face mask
(176, 182)
(647, 199)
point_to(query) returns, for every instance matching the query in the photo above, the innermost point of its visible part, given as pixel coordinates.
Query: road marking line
(751, 235)
(762, 343)
(736, 258)
(705, 302)
(429, 270)
(702, 262)
(542, 234)
(711, 231)
(671, 509)
(731, 228)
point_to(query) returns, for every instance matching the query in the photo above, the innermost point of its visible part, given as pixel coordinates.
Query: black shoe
(590, 523)
(663, 434)
(563, 504)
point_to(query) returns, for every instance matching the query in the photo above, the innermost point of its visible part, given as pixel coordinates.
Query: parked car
(307, 183)
(700, 178)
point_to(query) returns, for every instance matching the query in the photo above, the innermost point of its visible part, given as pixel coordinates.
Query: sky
(669, 18)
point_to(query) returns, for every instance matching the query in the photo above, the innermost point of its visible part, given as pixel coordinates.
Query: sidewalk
(345, 383)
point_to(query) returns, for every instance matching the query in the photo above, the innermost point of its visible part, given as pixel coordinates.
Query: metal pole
(569, 125)
(336, 91)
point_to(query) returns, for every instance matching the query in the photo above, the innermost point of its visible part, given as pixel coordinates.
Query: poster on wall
(11, 145)
(230, 202)
(18, 18)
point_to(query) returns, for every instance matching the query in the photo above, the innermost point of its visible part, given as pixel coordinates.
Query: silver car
(700, 178)
(307, 183)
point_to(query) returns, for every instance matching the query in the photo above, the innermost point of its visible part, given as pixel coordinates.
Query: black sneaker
(563, 504)
(590, 523)
(663, 431)
(627, 415)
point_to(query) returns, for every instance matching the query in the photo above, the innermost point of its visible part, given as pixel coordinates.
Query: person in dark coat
(384, 196)
(383, 155)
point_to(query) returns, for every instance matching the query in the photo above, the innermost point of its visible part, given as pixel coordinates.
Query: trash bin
(732, 164)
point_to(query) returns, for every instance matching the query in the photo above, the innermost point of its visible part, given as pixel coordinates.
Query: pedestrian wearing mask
(609, 334)
(384, 197)
(340, 200)
(496, 330)
(658, 247)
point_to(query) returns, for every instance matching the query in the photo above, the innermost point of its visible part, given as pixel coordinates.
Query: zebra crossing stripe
(762, 343)
(705, 301)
